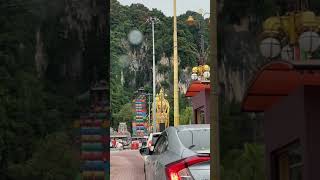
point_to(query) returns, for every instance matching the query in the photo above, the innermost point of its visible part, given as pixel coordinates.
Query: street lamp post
(175, 68)
(149, 116)
(201, 72)
(287, 35)
(191, 22)
(153, 20)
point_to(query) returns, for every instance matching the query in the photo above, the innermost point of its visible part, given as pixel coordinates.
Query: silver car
(181, 152)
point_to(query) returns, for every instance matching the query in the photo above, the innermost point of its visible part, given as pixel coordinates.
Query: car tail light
(149, 143)
(179, 170)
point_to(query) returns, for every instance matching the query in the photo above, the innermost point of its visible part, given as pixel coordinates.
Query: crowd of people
(116, 143)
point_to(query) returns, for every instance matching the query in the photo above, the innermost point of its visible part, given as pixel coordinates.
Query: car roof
(175, 143)
(157, 133)
(192, 127)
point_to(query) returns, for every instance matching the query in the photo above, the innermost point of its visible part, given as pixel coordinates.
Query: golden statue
(162, 109)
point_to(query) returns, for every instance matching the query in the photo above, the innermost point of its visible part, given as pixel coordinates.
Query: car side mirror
(144, 144)
(144, 151)
(150, 152)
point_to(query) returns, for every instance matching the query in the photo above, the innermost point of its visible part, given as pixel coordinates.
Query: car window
(195, 140)
(164, 145)
(158, 145)
(155, 138)
(161, 145)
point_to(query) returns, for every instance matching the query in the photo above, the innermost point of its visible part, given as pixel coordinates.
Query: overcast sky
(166, 6)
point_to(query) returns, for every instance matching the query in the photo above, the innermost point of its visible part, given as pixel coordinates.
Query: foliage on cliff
(39, 79)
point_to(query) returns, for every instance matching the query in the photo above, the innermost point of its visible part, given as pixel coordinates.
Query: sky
(166, 6)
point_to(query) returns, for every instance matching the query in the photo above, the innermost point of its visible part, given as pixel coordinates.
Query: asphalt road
(126, 165)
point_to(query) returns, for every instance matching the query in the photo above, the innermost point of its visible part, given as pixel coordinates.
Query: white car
(152, 140)
(119, 145)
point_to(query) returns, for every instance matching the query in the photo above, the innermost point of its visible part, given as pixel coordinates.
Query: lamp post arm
(201, 43)
(206, 13)
(201, 33)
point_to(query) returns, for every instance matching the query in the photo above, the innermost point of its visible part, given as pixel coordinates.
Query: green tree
(54, 158)
(245, 164)
(125, 114)
(186, 116)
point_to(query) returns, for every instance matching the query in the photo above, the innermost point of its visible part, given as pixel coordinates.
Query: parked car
(140, 140)
(181, 152)
(134, 145)
(152, 140)
(126, 144)
(119, 145)
(114, 143)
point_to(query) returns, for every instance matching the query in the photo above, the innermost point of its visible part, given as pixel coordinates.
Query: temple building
(199, 93)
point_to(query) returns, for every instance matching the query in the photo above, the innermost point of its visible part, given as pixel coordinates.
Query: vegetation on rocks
(44, 47)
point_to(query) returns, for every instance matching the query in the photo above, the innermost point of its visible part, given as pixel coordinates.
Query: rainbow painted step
(93, 175)
(93, 147)
(95, 156)
(95, 138)
(140, 128)
(94, 123)
(139, 117)
(100, 115)
(139, 120)
(138, 124)
(93, 131)
(95, 166)
(141, 110)
(141, 113)
(85, 116)
(100, 109)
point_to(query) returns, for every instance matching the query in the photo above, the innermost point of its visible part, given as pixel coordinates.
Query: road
(126, 165)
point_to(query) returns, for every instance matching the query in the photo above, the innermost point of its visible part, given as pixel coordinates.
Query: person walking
(114, 143)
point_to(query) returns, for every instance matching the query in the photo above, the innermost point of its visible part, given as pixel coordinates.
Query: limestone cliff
(72, 38)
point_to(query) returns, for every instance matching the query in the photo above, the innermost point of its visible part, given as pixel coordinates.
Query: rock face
(138, 65)
(40, 56)
(239, 60)
(164, 76)
(83, 34)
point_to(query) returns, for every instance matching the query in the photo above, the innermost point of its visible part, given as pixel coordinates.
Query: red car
(134, 145)
(114, 143)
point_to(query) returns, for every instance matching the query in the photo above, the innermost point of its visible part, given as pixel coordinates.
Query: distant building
(122, 128)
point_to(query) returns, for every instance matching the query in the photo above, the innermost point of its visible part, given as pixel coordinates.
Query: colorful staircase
(139, 126)
(94, 139)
